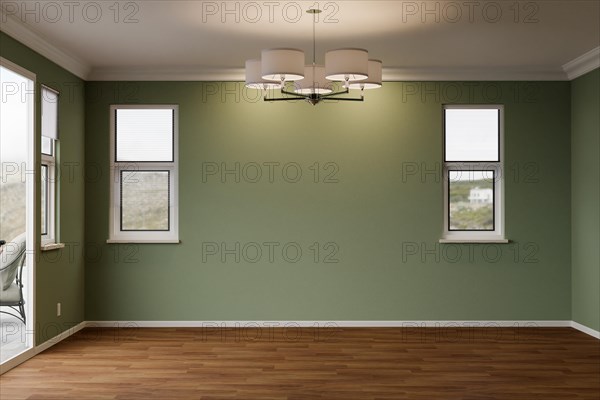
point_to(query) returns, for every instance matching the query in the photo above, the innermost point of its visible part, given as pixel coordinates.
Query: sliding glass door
(17, 212)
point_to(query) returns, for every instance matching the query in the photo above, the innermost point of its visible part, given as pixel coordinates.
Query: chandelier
(313, 83)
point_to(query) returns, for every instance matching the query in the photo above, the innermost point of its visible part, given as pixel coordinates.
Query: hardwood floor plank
(350, 363)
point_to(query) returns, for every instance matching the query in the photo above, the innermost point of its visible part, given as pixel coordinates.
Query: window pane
(49, 113)
(471, 200)
(44, 200)
(472, 134)
(46, 145)
(145, 200)
(15, 124)
(144, 135)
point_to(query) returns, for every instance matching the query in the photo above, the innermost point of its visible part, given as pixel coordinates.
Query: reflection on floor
(13, 339)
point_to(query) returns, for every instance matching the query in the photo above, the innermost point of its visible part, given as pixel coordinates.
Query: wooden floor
(294, 364)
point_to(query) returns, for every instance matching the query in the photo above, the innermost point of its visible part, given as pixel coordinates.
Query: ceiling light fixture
(313, 83)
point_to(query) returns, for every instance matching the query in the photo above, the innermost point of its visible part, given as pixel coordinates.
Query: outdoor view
(12, 206)
(13, 153)
(145, 200)
(471, 200)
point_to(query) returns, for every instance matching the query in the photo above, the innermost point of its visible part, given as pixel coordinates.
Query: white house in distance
(481, 196)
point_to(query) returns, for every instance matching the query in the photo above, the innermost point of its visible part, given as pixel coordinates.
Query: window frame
(116, 234)
(50, 235)
(49, 161)
(497, 235)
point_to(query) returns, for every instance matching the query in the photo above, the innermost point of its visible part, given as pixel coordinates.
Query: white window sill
(474, 241)
(52, 246)
(111, 241)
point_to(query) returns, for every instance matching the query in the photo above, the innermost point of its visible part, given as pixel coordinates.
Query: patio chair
(12, 260)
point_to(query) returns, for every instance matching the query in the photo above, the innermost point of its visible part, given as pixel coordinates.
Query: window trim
(476, 236)
(50, 237)
(50, 162)
(115, 234)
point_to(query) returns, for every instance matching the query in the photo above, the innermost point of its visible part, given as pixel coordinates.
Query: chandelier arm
(284, 98)
(305, 96)
(343, 99)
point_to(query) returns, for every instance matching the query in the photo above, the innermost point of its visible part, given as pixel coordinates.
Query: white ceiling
(192, 39)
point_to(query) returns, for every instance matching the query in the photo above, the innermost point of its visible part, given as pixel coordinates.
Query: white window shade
(144, 135)
(49, 113)
(472, 135)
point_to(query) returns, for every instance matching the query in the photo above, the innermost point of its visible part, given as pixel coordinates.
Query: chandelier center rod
(314, 12)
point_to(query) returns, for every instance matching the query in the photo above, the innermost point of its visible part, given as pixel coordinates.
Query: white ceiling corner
(31, 39)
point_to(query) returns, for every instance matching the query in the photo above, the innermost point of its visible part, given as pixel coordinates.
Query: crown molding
(389, 74)
(166, 74)
(24, 34)
(473, 74)
(583, 64)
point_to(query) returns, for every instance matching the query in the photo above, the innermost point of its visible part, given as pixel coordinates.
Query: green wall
(60, 273)
(374, 217)
(374, 207)
(585, 197)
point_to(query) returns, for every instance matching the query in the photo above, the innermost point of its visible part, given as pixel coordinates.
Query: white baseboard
(26, 355)
(324, 324)
(60, 337)
(585, 329)
(347, 324)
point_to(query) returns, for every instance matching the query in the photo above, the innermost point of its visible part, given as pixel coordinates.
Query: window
(48, 171)
(144, 173)
(473, 178)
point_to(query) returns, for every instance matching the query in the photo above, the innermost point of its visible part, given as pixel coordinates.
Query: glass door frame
(32, 175)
